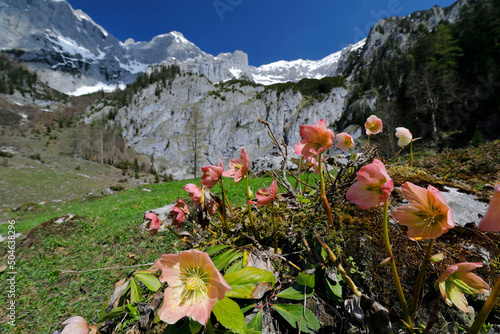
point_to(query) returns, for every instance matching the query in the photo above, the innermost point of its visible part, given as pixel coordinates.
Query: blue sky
(267, 30)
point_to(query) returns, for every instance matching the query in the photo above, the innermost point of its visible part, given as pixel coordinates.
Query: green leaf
(247, 308)
(238, 265)
(296, 292)
(194, 326)
(215, 249)
(228, 313)
(303, 199)
(256, 323)
(135, 291)
(133, 310)
(116, 312)
(223, 260)
(294, 314)
(305, 279)
(249, 283)
(150, 281)
(334, 290)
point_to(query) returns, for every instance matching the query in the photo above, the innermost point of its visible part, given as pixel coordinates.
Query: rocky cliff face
(193, 122)
(401, 30)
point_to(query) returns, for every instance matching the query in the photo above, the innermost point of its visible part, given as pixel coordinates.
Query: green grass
(105, 235)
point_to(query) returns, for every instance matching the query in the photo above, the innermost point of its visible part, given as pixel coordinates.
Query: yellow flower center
(195, 282)
(263, 193)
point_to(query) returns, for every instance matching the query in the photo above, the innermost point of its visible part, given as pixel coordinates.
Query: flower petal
(363, 198)
(172, 309)
(201, 311)
(75, 325)
(491, 220)
(170, 269)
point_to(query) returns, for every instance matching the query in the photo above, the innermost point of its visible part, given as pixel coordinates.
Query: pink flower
(373, 125)
(373, 186)
(427, 216)
(195, 192)
(238, 167)
(77, 325)
(491, 220)
(404, 135)
(266, 195)
(211, 175)
(313, 161)
(345, 141)
(194, 286)
(201, 197)
(457, 279)
(154, 222)
(179, 211)
(315, 139)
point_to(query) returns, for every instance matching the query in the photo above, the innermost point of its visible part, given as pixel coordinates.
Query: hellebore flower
(238, 168)
(201, 196)
(427, 216)
(457, 279)
(373, 125)
(491, 220)
(195, 192)
(211, 175)
(194, 286)
(266, 195)
(179, 211)
(404, 135)
(78, 325)
(315, 139)
(154, 224)
(373, 186)
(345, 141)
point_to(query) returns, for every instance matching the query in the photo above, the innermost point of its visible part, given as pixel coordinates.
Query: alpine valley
(185, 108)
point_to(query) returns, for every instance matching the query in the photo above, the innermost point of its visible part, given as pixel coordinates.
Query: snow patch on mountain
(295, 70)
(95, 88)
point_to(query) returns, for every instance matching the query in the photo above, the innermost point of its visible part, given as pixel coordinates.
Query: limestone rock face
(194, 122)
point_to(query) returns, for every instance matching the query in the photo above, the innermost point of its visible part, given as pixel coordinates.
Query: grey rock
(465, 208)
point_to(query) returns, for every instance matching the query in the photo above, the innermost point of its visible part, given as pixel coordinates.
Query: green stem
(411, 154)
(210, 327)
(224, 212)
(368, 141)
(394, 270)
(274, 230)
(486, 309)
(249, 208)
(420, 279)
(228, 204)
(323, 192)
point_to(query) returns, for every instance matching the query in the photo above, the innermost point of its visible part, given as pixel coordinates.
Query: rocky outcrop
(194, 122)
(401, 31)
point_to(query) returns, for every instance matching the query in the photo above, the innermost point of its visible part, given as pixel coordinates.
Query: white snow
(236, 72)
(92, 89)
(180, 37)
(80, 15)
(134, 66)
(268, 74)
